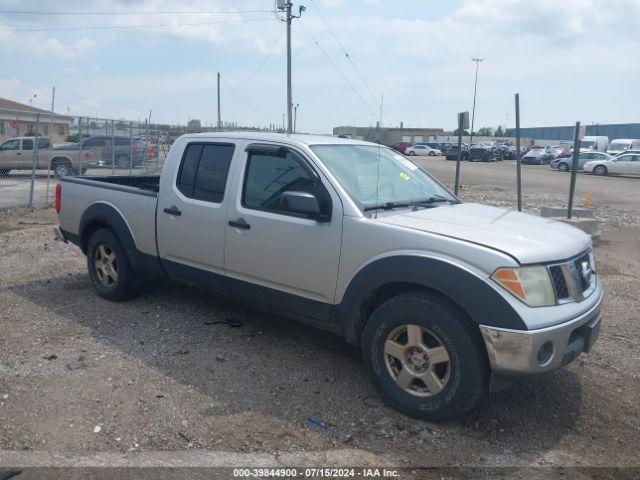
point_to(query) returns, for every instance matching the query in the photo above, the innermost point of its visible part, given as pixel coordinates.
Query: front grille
(584, 282)
(559, 283)
(574, 279)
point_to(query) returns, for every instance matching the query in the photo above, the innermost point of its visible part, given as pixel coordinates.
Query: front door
(622, 165)
(192, 215)
(10, 154)
(278, 257)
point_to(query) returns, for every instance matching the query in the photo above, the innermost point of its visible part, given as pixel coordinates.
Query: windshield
(587, 144)
(619, 147)
(400, 181)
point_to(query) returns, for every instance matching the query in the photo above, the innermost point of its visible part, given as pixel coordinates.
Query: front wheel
(411, 154)
(600, 170)
(563, 167)
(423, 358)
(431, 154)
(111, 274)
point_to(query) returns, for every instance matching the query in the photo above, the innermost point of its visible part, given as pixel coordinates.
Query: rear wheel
(111, 274)
(423, 358)
(600, 170)
(412, 153)
(62, 168)
(122, 161)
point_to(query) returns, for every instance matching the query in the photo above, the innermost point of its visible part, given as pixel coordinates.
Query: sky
(354, 61)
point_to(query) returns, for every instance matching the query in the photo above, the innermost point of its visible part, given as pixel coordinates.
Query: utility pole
(475, 91)
(286, 6)
(219, 118)
(53, 98)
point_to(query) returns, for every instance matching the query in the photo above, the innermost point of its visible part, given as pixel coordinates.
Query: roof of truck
(280, 137)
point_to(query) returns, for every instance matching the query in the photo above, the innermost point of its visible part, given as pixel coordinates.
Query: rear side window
(121, 141)
(204, 171)
(27, 144)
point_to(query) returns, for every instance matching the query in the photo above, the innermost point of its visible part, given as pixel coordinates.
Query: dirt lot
(180, 371)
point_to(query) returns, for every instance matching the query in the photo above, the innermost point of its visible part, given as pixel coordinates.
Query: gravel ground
(179, 369)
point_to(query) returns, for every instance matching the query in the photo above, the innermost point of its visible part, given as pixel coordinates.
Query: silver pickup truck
(447, 300)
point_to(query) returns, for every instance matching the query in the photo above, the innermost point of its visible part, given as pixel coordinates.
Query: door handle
(173, 210)
(240, 223)
(18, 153)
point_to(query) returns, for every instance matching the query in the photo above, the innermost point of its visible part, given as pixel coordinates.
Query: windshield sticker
(404, 176)
(407, 163)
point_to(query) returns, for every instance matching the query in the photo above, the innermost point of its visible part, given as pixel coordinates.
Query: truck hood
(527, 238)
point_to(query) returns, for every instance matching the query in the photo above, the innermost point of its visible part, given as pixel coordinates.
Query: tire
(412, 154)
(431, 154)
(463, 378)
(109, 269)
(122, 161)
(600, 170)
(563, 167)
(62, 168)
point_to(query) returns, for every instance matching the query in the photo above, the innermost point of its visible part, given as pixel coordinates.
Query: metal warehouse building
(612, 130)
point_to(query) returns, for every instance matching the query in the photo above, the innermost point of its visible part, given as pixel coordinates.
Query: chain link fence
(37, 148)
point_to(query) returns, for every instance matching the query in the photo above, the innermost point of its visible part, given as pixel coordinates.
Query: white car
(422, 150)
(625, 164)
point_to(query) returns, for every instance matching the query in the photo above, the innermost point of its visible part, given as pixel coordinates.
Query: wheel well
(89, 229)
(56, 160)
(378, 296)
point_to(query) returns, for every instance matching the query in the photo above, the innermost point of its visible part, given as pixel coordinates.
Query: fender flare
(106, 215)
(475, 296)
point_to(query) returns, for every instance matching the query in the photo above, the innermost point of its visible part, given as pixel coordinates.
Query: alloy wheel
(106, 265)
(417, 360)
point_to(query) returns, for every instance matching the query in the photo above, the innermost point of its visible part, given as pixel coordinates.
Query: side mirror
(301, 202)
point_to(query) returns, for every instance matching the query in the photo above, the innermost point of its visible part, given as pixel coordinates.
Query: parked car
(485, 152)
(18, 154)
(445, 299)
(625, 164)
(401, 147)
(538, 155)
(565, 164)
(452, 153)
(422, 150)
(622, 145)
(119, 149)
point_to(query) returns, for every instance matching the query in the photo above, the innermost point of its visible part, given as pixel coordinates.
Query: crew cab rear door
(191, 216)
(272, 255)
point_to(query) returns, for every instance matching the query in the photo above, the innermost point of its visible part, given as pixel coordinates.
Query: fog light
(545, 353)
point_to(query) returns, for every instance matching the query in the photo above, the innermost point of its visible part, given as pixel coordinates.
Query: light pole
(475, 91)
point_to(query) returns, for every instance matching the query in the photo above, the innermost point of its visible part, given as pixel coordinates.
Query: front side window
(204, 171)
(268, 175)
(375, 176)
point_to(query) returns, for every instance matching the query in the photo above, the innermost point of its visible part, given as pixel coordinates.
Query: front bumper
(514, 353)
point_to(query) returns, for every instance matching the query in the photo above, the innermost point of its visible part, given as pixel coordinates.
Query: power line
(124, 27)
(161, 12)
(264, 60)
(239, 97)
(335, 65)
(346, 53)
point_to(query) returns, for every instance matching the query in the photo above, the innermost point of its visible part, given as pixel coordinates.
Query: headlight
(532, 285)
